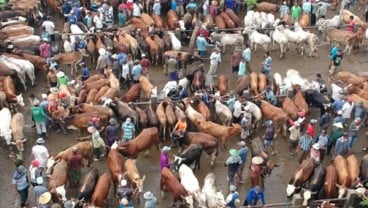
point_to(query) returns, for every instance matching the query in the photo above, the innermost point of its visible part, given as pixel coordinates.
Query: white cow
(333, 22)
(256, 113)
(26, 66)
(310, 38)
(5, 130)
(215, 199)
(257, 38)
(228, 39)
(191, 184)
(175, 42)
(20, 73)
(74, 29)
(249, 19)
(223, 112)
(280, 38)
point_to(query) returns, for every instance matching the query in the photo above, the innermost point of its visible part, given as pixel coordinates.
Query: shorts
(333, 69)
(268, 143)
(292, 143)
(235, 69)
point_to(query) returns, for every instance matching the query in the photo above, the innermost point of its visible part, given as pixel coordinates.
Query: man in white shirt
(336, 91)
(347, 108)
(215, 60)
(137, 7)
(40, 152)
(237, 110)
(49, 27)
(247, 56)
(98, 21)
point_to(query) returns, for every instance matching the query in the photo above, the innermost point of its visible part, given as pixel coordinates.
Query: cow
(342, 37)
(214, 198)
(72, 58)
(290, 108)
(132, 94)
(317, 99)
(203, 108)
(80, 121)
(222, 84)
(171, 183)
(121, 109)
(353, 169)
(101, 191)
(343, 180)
(242, 84)
(223, 113)
(208, 142)
(89, 108)
(222, 132)
(186, 57)
(191, 154)
(350, 78)
(315, 184)
(58, 180)
(300, 102)
(364, 168)
(267, 7)
(277, 115)
(133, 175)
(329, 187)
(88, 185)
(301, 175)
(194, 116)
(85, 149)
(142, 142)
(115, 165)
(191, 184)
(16, 126)
(5, 124)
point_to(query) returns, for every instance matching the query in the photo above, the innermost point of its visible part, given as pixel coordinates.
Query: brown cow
(57, 181)
(234, 17)
(242, 84)
(272, 112)
(101, 192)
(154, 49)
(254, 82)
(72, 58)
(55, 5)
(98, 84)
(143, 120)
(186, 57)
(229, 23)
(158, 21)
(91, 96)
(80, 121)
(100, 93)
(85, 149)
(170, 114)
(161, 115)
(329, 188)
(267, 7)
(37, 61)
(350, 78)
(172, 20)
(343, 180)
(147, 19)
(88, 185)
(91, 48)
(115, 165)
(17, 30)
(145, 140)
(208, 142)
(300, 102)
(222, 84)
(82, 96)
(88, 108)
(301, 175)
(353, 89)
(222, 132)
(146, 87)
(133, 174)
(343, 37)
(132, 94)
(203, 109)
(290, 108)
(353, 169)
(220, 22)
(304, 21)
(94, 78)
(139, 23)
(169, 181)
(152, 117)
(262, 82)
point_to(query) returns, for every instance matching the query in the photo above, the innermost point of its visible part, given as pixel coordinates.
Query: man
(171, 68)
(313, 18)
(347, 108)
(323, 142)
(97, 142)
(191, 6)
(39, 189)
(310, 128)
(284, 10)
(324, 121)
(235, 60)
(342, 145)
(243, 151)
(49, 27)
(215, 60)
(233, 163)
(151, 200)
(75, 164)
(322, 9)
(253, 196)
(51, 77)
(337, 108)
(237, 110)
(84, 71)
(336, 133)
(256, 170)
(62, 79)
(122, 17)
(359, 111)
(102, 60)
(306, 7)
(315, 153)
(202, 45)
(128, 130)
(125, 73)
(266, 65)
(88, 20)
(269, 136)
(294, 138)
(79, 44)
(295, 13)
(233, 198)
(136, 71)
(35, 172)
(98, 20)
(305, 144)
(180, 133)
(145, 63)
(322, 83)
(353, 131)
(156, 8)
(336, 91)
(247, 56)
(40, 118)
(124, 191)
(137, 9)
(72, 18)
(242, 70)
(66, 9)
(40, 153)
(112, 132)
(45, 49)
(336, 61)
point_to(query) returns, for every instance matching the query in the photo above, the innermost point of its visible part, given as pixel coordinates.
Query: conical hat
(45, 198)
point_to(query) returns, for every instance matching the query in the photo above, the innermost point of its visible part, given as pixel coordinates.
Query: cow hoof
(162, 195)
(212, 164)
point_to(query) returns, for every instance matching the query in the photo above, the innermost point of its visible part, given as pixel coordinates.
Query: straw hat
(234, 152)
(257, 160)
(91, 129)
(124, 201)
(338, 125)
(60, 74)
(316, 146)
(123, 182)
(45, 198)
(148, 195)
(54, 90)
(214, 3)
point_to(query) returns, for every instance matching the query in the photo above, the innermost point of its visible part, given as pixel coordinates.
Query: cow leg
(146, 153)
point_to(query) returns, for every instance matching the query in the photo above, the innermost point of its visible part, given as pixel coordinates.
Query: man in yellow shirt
(179, 134)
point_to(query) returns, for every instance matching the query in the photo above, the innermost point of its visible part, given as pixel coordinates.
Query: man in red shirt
(145, 63)
(75, 164)
(351, 24)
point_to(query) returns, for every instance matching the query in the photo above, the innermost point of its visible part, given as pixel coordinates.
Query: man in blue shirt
(270, 96)
(202, 45)
(136, 71)
(84, 71)
(128, 130)
(156, 9)
(342, 144)
(77, 12)
(253, 196)
(66, 8)
(78, 44)
(266, 68)
(122, 57)
(337, 105)
(72, 18)
(359, 111)
(243, 151)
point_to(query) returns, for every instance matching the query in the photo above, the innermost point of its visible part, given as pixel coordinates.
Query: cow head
(189, 200)
(307, 194)
(290, 189)
(139, 183)
(177, 162)
(342, 190)
(20, 101)
(220, 199)
(58, 193)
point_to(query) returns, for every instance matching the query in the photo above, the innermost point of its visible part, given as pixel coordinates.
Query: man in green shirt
(39, 118)
(61, 79)
(2, 4)
(295, 13)
(251, 4)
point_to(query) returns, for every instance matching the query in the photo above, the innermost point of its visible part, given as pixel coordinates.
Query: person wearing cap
(245, 123)
(124, 191)
(75, 164)
(269, 136)
(151, 200)
(164, 160)
(336, 132)
(236, 57)
(44, 201)
(335, 62)
(84, 71)
(310, 127)
(21, 185)
(112, 132)
(72, 18)
(284, 10)
(136, 71)
(233, 163)
(124, 203)
(254, 195)
(128, 130)
(322, 83)
(35, 172)
(39, 189)
(353, 131)
(323, 141)
(338, 118)
(243, 152)
(342, 145)
(202, 45)
(79, 44)
(40, 153)
(98, 21)
(305, 145)
(256, 170)
(172, 69)
(62, 79)
(347, 108)
(51, 77)
(183, 92)
(39, 117)
(359, 110)
(45, 49)
(179, 133)
(215, 60)
(315, 153)
(97, 142)
(293, 138)
(232, 197)
(322, 9)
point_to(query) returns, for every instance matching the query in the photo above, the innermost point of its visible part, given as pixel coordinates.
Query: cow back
(115, 165)
(131, 169)
(364, 168)
(242, 84)
(9, 89)
(329, 188)
(342, 173)
(84, 149)
(300, 102)
(59, 175)
(145, 139)
(305, 171)
(88, 185)
(353, 168)
(222, 84)
(290, 108)
(169, 181)
(170, 114)
(101, 191)
(318, 178)
(132, 94)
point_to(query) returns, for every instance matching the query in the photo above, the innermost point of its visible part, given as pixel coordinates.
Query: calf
(169, 181)
(115, 165)
(302, 174)
(329, 187)
(188, 156)
(88, 185)
(133, 174)
(58, 180)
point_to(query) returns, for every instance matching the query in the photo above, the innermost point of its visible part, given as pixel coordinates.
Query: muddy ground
(275, 184)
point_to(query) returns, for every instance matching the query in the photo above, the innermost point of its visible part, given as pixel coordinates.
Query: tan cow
(16, 126)
(253, 82)
(146, 88)
(300, 102)
(84, 149)
(72, 58)
(219, 131)
(351, 78)
(346, 18)
(133, 174)
(343, 37)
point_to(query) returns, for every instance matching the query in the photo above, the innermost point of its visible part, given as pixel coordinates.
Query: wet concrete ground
(275, 185)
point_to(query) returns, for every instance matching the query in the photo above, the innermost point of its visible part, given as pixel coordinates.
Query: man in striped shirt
(128, 130)
(305, 144)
